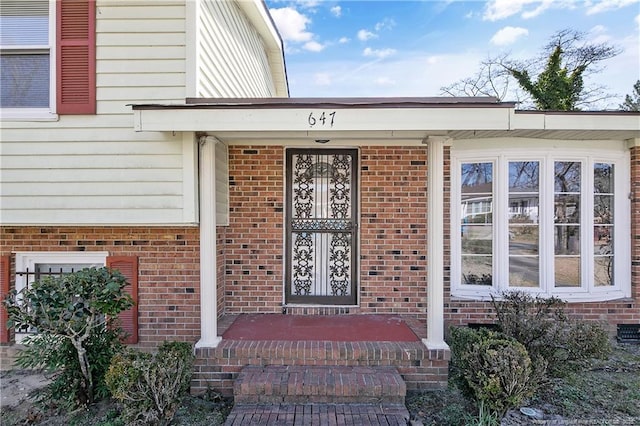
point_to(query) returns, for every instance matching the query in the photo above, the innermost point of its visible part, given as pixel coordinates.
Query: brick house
(220, 196)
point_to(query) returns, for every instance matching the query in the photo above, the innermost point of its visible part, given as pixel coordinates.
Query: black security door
(321, 243)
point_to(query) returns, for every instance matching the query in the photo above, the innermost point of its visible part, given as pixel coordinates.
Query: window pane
(523, 208)
(477, 239)
(476, 228)
(567, 176)
(477, 209)
(603, 209)
(477, 270)
(24, 80)
(603, 271)
(24, 23)
(523, 176)
(603, 240)
(477, 178)
(567, 240)
(603, 178)
(523, 240)
(603, 229)
(567, 271)
(524, 271)
(567, 209)
(61, 268)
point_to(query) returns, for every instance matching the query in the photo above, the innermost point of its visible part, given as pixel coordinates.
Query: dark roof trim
(547, 112)
(338, 103)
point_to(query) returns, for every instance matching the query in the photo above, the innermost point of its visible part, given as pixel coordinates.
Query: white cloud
(385, 24)
(291, 24)
(322, 79)
(637, 19)
(343, 40)
(606, 5)
(308, 3)
(384, 81)
(599, 34)
(410, 74)
(313, 46)
(365, 35)
(508, 35)
(496, 10)
(378, 53)
(336, 11)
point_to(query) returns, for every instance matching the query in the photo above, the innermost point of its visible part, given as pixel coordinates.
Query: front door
(321, 239)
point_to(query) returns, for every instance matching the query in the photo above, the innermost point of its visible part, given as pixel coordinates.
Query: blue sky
(413, 48)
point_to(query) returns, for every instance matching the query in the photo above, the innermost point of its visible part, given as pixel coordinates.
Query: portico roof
(392, 119)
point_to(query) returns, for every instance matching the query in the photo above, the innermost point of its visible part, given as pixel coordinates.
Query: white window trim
(29, 260)
(500, 153)
(39, 114)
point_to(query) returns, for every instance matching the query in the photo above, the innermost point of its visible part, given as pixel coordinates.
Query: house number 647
(323, 119)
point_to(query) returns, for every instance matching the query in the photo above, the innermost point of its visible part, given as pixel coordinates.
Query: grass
(608, 392)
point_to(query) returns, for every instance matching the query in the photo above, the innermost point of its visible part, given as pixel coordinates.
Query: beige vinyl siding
(232, 61)
(97, 169)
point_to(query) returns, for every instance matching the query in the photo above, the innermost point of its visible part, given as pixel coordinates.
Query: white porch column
(208, 266)
(435, 246)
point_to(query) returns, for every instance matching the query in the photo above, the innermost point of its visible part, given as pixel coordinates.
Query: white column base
(212, 344)
(435, 345)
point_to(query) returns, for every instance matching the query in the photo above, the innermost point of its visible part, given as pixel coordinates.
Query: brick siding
(168, 260)
(392, 231)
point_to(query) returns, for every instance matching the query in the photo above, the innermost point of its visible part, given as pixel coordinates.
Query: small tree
(632, 102)
(554, 80)
(556, 88)
(71, 308)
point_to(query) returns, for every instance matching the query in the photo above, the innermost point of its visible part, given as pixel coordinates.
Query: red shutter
(5, 278)
(128, 266)
(76, 57)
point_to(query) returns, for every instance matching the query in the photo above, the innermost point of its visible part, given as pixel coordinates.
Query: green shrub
(541, 325)
(59, 356)
(461, 340)
(75, 318)
(151, 387)
(493, 369)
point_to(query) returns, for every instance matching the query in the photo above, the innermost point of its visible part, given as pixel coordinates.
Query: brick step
(319, 384)
(318, 414)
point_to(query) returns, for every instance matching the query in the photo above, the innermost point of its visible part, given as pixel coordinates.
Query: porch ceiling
(387, 120)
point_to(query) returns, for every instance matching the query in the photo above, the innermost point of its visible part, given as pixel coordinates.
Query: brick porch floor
(421, 368)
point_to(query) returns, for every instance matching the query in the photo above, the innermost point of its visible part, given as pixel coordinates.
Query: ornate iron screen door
(321, 243)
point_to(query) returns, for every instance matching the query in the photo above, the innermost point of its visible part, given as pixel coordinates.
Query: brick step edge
(321, 384)
(319, 414)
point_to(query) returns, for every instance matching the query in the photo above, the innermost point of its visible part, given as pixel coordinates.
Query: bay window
(548, 221)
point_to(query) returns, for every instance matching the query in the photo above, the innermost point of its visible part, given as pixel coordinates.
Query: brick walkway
(318, 414)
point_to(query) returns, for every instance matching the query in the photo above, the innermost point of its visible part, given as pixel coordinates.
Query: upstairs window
(47, 57)
(25, 55)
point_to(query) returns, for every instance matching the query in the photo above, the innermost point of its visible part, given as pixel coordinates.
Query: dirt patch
(17, 385)
(17, 388)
